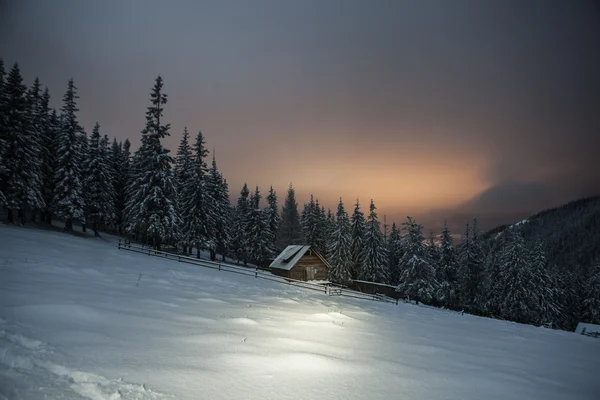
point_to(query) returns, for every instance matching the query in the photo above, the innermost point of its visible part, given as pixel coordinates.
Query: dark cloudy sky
(437, 109)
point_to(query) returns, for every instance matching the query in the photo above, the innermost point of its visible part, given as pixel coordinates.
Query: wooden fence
(591, 334)
(255, 272)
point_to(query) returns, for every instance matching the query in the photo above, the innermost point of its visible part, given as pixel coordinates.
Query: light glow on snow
(76, 323)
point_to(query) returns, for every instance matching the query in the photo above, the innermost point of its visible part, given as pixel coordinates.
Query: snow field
(75, 325)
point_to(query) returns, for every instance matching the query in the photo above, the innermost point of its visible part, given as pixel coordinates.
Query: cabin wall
(280, 272)
(311, 261)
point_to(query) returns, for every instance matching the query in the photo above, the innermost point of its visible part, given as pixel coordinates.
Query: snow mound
(25, 355)
(81, 319)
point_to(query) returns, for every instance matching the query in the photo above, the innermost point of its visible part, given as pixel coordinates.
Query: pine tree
(290, 231)
(375, 265)
(83, 161)
(433, 251)
(395, 252)
(258, 232)
(37, 117)
(99, 189)
(199, 219)
(122, 179)
(591, 302)
(320, 219)
(22, 152)
(241, 244)
(68, 199)
(329, 231)
(272, 213)
(314, 225)
(357, 249)
(219, 193)
(572, 295)
(447, 270)
(519, 298)
(3, 134)
(472, 270)
(417, 275)
(545, 287)
(151, 210)
(49, 140)
(184, 179)
(119, 182)
(340, 257)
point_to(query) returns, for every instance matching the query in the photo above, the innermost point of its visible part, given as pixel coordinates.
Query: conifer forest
(544, 270)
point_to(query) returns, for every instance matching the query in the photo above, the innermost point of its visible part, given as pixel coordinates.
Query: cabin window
(315, 270)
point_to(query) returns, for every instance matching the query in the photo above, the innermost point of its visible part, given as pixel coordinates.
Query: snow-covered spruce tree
(447, 270)
(290, 231)
(37, 117)
(395, 252)
(308, 221)
(198, 226)
(240, 244)
(357, 249)
(119, 182)
(591, 301)
(98, 183)
(545, 286)
(471, 270)
(339, 254)
(328, 230)
(83, 164)
(375, 265)
(433, 251)
(49, 139)
(219, 193)
(259, 235)
(272, 213)
(151, 210)
(321, 228)
(3, 133)
(518, 292)
(184, 179)
(22, 151)
(417, 279)
(126, 172)
(68, 201)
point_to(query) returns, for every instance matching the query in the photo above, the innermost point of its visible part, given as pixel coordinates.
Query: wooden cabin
(301, 263)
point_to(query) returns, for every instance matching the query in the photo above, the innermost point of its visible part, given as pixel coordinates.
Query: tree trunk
(33, 216)
(83, 227)
(49, 218)
(198, 251)
(213, 255)
(95, 229)
(11, 216)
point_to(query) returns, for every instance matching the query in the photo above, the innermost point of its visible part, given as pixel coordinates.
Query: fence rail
(258, 273)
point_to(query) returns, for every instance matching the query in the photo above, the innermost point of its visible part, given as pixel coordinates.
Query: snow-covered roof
(289, 257)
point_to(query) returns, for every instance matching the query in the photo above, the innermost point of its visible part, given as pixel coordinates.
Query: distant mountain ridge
(570, 234)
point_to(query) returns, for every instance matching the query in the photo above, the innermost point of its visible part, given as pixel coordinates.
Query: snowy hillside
(81, 319)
